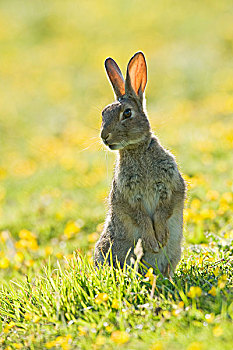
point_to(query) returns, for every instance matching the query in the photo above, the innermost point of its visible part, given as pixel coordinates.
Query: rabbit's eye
(127, 113)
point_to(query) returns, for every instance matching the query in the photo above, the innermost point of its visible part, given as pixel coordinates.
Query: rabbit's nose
(105, 136)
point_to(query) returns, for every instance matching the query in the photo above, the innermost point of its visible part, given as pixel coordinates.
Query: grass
(78, 307)
(55, 174)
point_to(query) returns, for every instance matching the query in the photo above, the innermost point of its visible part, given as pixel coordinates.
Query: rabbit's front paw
(150, 243)
(162, 234)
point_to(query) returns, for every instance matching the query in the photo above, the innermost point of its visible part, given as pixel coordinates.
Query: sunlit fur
(125, 132)
(147, 195)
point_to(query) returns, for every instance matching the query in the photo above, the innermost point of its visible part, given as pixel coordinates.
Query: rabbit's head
(124, 122)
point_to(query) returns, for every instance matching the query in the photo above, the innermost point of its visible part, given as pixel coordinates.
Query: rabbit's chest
(137, 186)
(132, 184)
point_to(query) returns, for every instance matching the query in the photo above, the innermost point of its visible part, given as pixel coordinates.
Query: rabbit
(147, 195)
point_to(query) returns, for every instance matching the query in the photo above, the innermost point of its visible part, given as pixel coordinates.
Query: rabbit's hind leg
(122, 252)
(112, 251)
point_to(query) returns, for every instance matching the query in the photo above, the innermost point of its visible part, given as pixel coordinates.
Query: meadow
(55, 173)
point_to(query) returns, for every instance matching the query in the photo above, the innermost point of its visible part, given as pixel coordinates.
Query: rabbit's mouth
(115, 146)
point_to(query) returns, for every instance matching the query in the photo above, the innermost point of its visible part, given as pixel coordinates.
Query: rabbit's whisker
(86, 148)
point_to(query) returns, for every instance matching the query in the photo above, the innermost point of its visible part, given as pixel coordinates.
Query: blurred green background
(53, 169)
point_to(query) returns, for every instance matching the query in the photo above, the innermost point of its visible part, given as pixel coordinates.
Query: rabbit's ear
(136, 76)
(115, 76)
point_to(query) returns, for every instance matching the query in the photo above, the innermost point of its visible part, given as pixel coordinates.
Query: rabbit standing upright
(147, 195)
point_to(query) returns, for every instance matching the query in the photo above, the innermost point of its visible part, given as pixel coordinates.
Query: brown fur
(147, 195)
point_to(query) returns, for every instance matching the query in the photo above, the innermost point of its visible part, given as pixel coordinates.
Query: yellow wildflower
(109, 328)
(217, 331)
(59, 255)
(24, 243)
(4, 263)
(216, 271)
(59, 215)
(50, 344)
(8, 327)
(19, 257)
(71, 229)
(36, 319)
(207, 214)
(115, 304)
(68, 337)
(166, 314)
(222, 281)
(33, 245)
(17, 345)
(28, 316)
(212, 291)
(11, 324)
(62, 341)
(6, 330)
(100, 227)
(157, 346)
(120, 337)
(227, 197)
(48, 250)
(188, 214)
(196, 203)
(212, 195)
(92, 237)
(195, 346)
(194, 292)
(29, 263)
(181, 304)
(101, 297)
(26, 234)
(209, 318)
(100, 340)
(4, 235)
(150, 275)
(200, 260)
(59, 339)
(82, 330)
(176, 312)
(228, 234)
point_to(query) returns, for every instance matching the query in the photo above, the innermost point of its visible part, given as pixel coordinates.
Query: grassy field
(55, 174)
